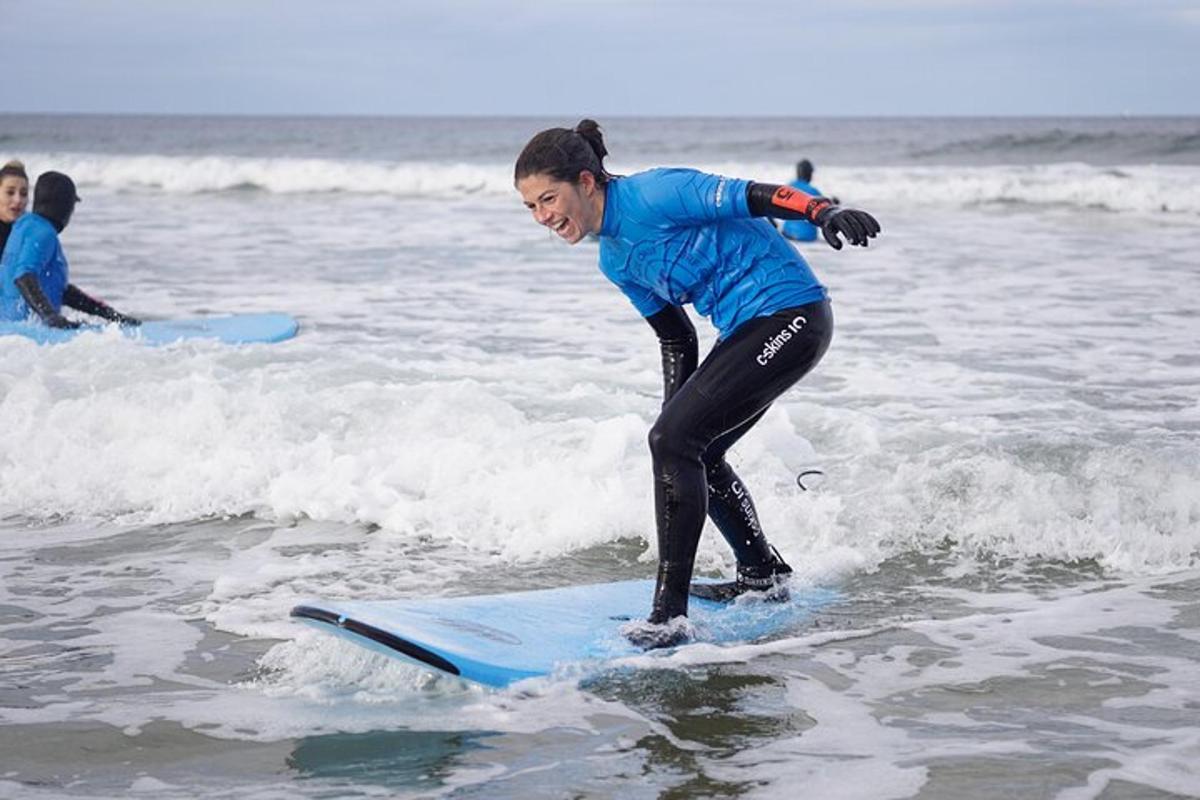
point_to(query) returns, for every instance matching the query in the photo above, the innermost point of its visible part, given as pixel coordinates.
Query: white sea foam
(190, 439)
(1138, 189)
(214, 173)
(156, 436)
(459, 377)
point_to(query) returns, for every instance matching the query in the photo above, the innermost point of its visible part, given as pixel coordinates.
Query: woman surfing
(673, 237)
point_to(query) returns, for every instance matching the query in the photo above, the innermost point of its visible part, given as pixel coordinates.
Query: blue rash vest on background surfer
(33, 249)
(670, 237)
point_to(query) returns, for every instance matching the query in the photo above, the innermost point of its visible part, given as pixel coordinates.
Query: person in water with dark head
(14, 197)
(669, 237)
(34, 277)
(801, 230)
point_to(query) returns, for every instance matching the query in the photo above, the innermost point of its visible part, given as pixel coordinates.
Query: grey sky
(603, 57)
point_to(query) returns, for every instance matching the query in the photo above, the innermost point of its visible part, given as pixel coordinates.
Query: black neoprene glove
(784, 202)
(36, 299)
(81, 301)
(858, 227)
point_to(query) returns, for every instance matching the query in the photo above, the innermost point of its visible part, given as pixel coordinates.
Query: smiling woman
(14, 197)
(560, 175)
(670, 237)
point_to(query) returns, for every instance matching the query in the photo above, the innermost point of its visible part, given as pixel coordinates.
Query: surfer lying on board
(33, 270)
(669, 237)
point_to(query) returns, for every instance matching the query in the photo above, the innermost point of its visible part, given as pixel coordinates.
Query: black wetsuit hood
(804, 170)
(54, 198)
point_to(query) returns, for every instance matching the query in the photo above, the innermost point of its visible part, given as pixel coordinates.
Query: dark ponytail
(563, 154)
(589, 129)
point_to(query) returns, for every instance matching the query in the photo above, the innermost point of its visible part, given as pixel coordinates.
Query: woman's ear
(587, 181)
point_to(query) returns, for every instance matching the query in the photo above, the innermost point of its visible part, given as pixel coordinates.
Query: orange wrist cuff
(798, 201)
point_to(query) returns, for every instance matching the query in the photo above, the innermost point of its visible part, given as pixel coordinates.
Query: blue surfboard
(501, 638)
(235, 329)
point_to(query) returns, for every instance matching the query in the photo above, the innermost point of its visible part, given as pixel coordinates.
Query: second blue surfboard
(233, 329)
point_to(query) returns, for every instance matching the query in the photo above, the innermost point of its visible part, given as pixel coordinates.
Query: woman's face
(14, 197)
(572, 210)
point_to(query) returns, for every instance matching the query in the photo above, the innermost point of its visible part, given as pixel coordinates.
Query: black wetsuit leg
(726, 395)
(730, 506)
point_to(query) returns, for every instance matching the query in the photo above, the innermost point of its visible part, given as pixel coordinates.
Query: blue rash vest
(33, 248)
(676, 236)
(801, 229)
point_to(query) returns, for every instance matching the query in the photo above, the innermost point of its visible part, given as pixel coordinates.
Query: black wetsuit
(674, 237)
(708, 408)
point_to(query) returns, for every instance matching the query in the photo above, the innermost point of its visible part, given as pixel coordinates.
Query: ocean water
(1008, 421)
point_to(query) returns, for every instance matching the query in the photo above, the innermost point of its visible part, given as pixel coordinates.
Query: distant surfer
(669, 237)
(801, 230)
(34, 276)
